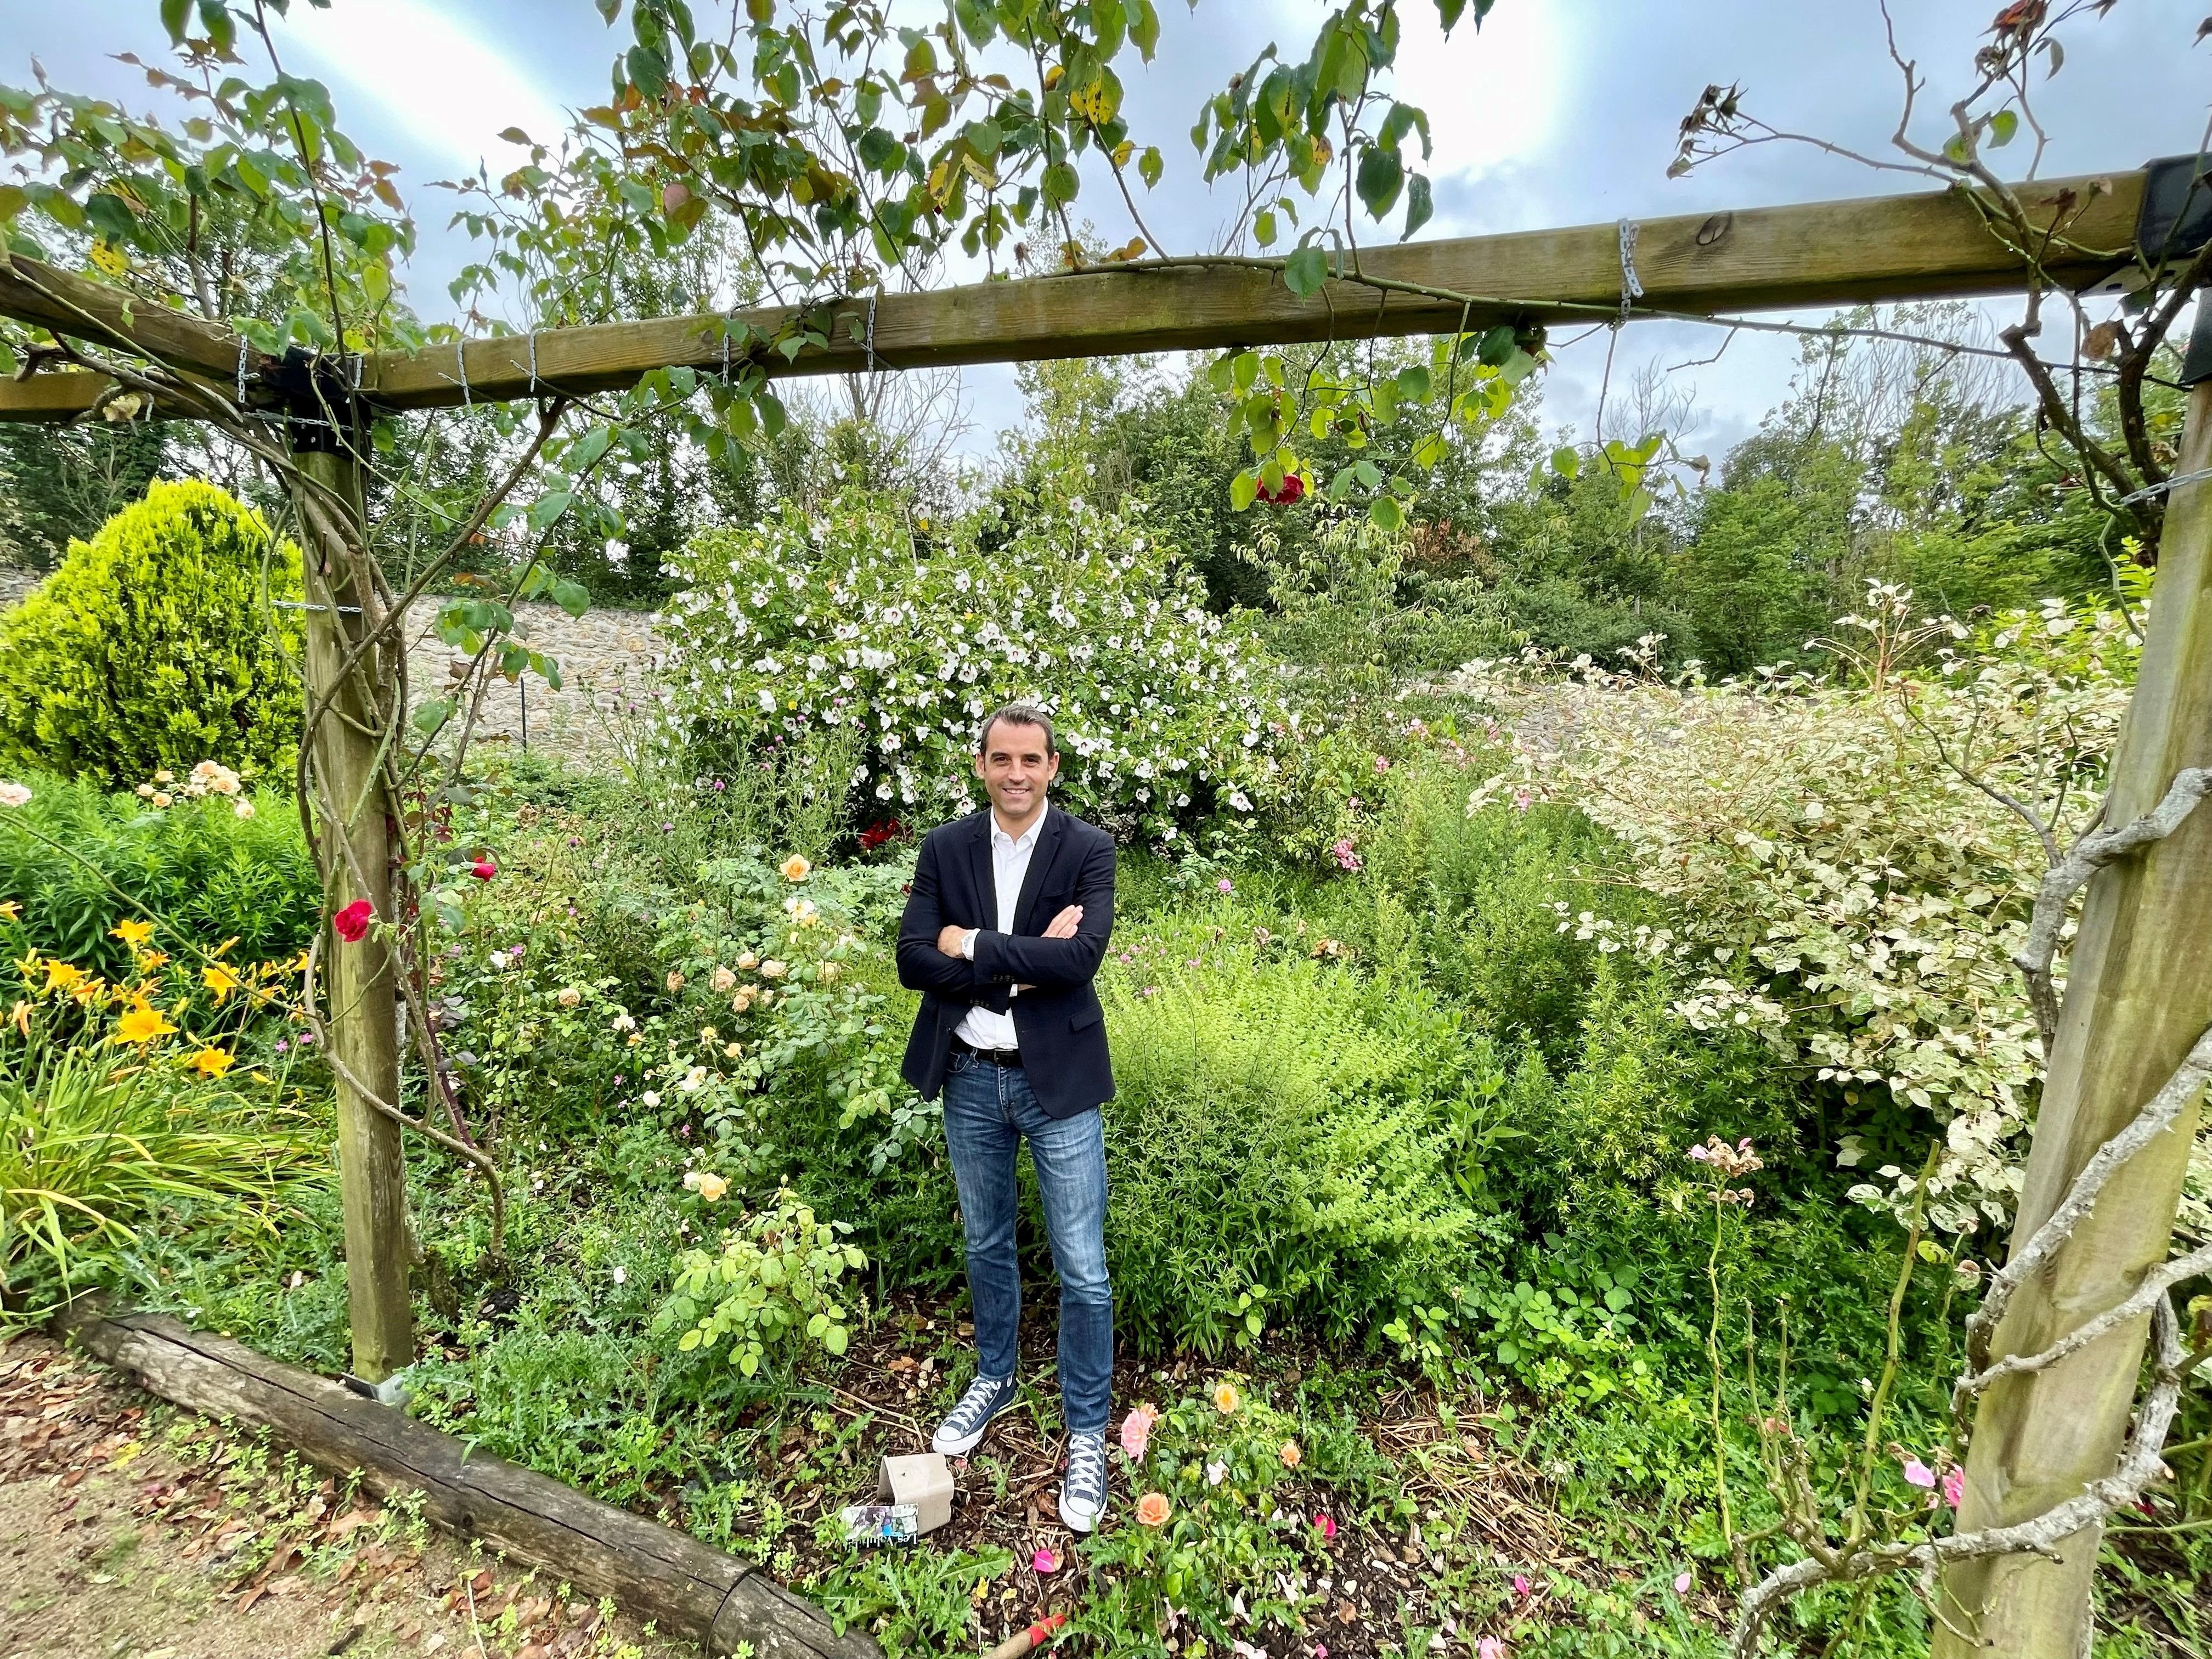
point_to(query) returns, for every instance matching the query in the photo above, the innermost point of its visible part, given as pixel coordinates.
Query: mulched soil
(895, 1377)
(129, 1530)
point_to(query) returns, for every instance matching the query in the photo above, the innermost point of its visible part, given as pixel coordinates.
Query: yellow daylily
(63, 975)
(212, 1062)
(20, 1016)
(142, 1024)
(220, 980)
(132, 933)
(9, 910)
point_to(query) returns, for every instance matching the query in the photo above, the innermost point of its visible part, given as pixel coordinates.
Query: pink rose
(1328, 1527)
(1955, 1486)
(1044, 1561)
(1490, 1648)
(1682, 1583)
(1917, 1473)
(1137, 1431)
(1522, 1587)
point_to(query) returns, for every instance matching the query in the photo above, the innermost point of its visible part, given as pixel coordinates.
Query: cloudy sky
(1557, 112)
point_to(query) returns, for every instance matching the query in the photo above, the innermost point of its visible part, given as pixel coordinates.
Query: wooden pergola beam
(1929, 245)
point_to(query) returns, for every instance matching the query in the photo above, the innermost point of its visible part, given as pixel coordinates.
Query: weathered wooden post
(2138, 996)
(356, 841)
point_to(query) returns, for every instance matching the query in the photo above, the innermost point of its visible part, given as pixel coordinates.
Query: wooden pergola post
(2138, 995)
(355, 830)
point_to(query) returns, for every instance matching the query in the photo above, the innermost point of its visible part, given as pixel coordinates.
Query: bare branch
(2155, 1284)
(2040, 1534)
(2157, 1117)
(2069, 874)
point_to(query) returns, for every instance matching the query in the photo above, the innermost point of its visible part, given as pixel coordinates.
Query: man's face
(1016, 765)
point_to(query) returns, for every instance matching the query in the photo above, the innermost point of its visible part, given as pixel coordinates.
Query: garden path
(129, 1530)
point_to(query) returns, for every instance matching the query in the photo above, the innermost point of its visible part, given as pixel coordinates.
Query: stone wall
(606, 663)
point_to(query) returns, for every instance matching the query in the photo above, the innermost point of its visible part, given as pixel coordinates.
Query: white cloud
(1493, 97)
(434, 78)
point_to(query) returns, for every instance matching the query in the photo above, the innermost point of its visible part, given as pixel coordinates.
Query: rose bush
(1170, 717)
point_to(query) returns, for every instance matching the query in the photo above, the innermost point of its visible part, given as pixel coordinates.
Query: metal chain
(2163, 486)
(1631, 287)
(872, 330)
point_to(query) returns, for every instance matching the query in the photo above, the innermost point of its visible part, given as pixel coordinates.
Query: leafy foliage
(1839, 883)
(1168, 718)
(153, 646)
(772, 1286)
(75, 857)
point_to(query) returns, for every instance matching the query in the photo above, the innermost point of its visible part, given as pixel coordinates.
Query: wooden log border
(688, 1588)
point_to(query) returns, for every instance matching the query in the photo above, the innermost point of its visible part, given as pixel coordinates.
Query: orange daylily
(20, 1016)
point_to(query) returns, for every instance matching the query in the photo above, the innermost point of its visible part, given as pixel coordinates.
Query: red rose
(352, 922)
(1293, 491)
(484, 869)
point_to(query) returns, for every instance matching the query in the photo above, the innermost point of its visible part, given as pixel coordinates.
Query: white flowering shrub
(1842, 881)
(1169, 718)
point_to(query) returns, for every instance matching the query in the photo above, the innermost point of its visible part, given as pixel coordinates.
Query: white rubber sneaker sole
(949, 1445)
(1078, 1517)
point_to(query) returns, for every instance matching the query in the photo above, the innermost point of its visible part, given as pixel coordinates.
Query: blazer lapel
(980, 873)
(1041, 862)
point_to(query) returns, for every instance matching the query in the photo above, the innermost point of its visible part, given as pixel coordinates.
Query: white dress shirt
(986, 1028)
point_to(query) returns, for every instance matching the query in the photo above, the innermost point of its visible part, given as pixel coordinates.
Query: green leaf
(176, 16)
(1419, 207)
(1244, 490)
(834, 1338)
(1414, 384)
(376, 281)
(977, 21)
(1149, 165)
(2002, 125)
(1305, 271)
(1385, 513)
(429, 716)
(1566, 460)
(572, 596)
(1382, 175)
(547, 508)
(588, 448)
(1145, 27)
(222, 28)
(648, 71)
(1060, 183)
(1497, 344)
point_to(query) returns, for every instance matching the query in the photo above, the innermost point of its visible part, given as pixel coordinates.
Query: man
(1003, 933)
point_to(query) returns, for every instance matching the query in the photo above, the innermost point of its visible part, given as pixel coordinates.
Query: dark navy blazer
(1060, 1024)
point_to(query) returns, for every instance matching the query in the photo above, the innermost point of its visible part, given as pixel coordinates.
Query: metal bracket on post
(323, 412)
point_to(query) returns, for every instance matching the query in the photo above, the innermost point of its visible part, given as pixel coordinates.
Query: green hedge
(198, 864)
(152, 646)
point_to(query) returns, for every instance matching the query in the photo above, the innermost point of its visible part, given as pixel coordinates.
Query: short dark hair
(1014, 713)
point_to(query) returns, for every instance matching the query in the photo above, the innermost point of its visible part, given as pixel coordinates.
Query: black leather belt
(1008, 1057)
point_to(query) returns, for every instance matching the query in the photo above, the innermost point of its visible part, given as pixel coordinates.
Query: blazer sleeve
(921, 965)
(1058, 964)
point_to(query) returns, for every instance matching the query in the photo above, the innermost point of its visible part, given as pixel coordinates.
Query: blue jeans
(988, 1110)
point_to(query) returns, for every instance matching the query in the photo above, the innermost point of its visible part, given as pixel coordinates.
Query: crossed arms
(1067, 955)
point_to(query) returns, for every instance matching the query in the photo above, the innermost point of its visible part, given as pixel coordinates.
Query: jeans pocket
(958, 1061)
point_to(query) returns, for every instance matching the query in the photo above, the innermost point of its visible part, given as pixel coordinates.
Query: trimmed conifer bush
(151, 646)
